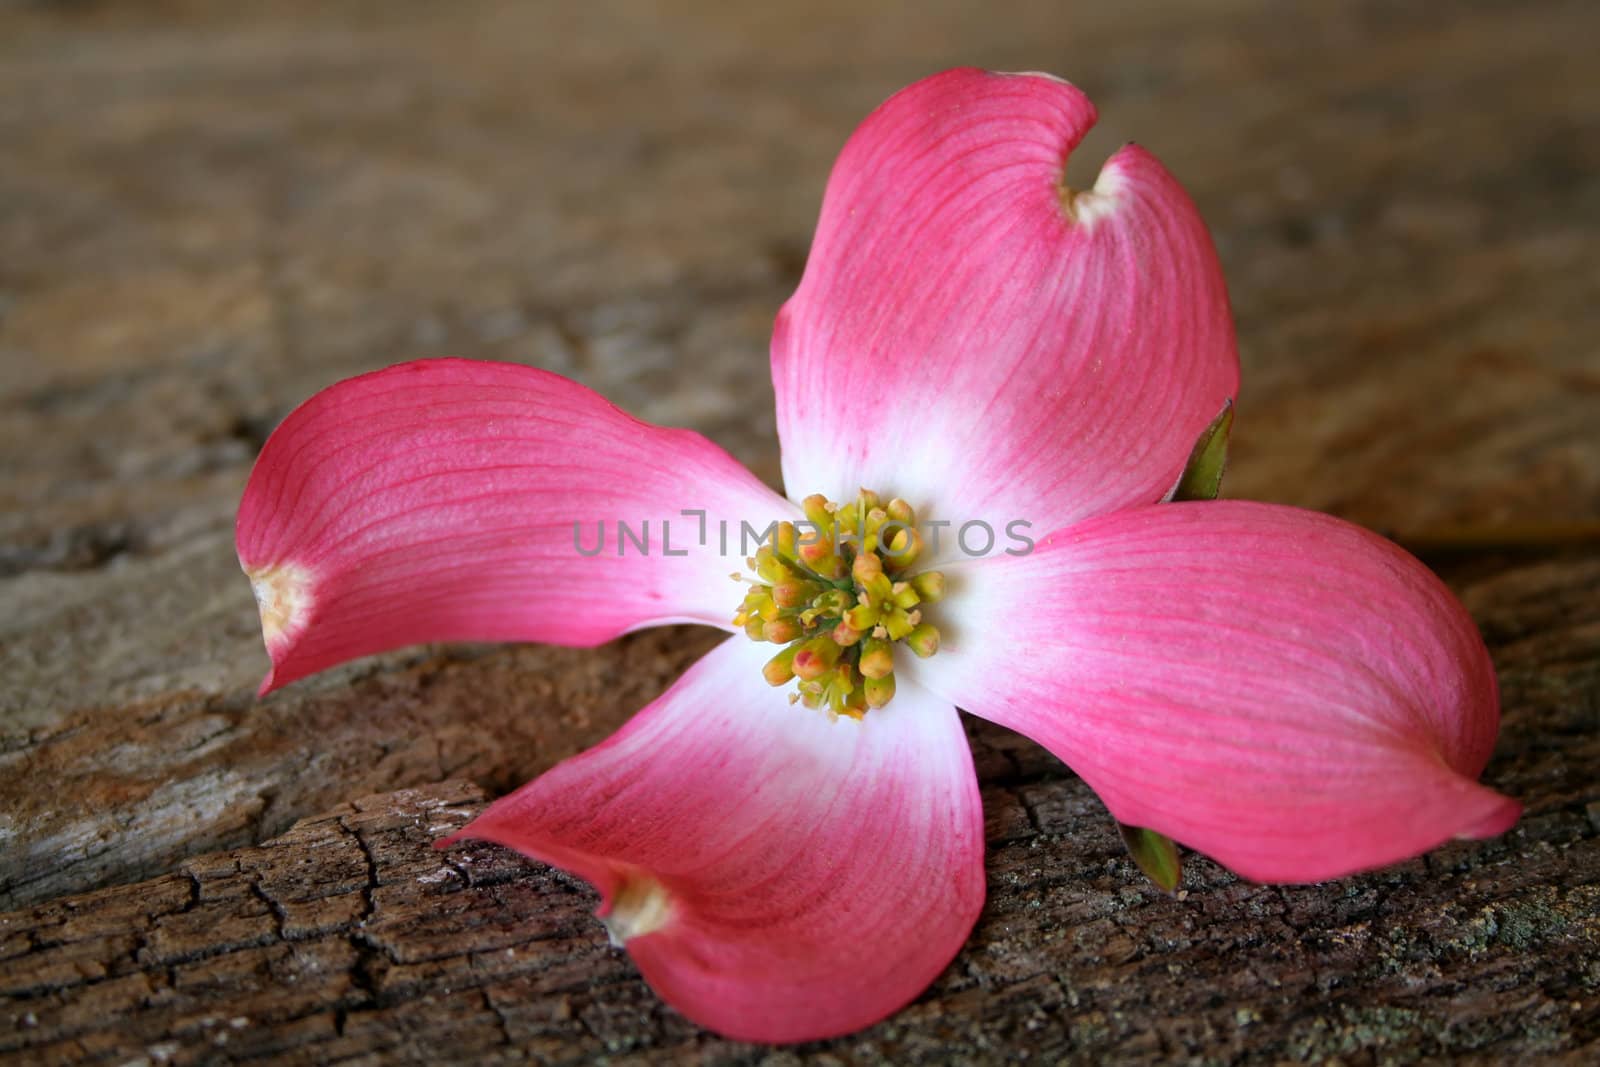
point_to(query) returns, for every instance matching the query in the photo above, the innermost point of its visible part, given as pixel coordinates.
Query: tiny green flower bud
(879, 691)
(818, 510)
(877, 658)
(791, 592)
(781, 630)
(904, 549)
(929, 586)
(780, 668)
(865, 567)
(816, 658)
(770, 568)
(875, 520)
(924, 640)
(787, 540)
(848, 519)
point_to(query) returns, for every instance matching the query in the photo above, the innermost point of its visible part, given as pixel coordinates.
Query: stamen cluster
(839, 596)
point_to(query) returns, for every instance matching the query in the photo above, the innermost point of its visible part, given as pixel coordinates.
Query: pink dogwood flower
(789, 841)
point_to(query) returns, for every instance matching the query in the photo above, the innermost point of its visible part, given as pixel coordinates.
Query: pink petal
(963, 340)
(1285, 692)
(436, 501)
(777, 876)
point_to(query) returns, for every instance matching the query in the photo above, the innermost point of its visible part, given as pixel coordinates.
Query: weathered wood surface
(351, 937)
(206, 213)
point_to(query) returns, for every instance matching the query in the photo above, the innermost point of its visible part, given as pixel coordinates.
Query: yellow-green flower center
(839, 593)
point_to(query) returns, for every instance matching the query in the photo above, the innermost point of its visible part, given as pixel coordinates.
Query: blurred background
(208, 211)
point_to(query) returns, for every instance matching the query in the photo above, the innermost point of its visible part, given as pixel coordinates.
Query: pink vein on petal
(960, 341)
(370, 522)
(807, 879)
(1288, 693)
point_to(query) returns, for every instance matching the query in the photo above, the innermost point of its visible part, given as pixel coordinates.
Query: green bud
(865, 567)
(814, 552)
(791, 593)
(904, 549)
(875, 520)
(1156, 855)
(848, 519)
(780, 631)
(816, 658)
(929, 586)
(779, 670)
(771, 569)
(787, 540)
(879, 691)
(877, 658)
(818, 511)
(924, 640)
(1202, 475)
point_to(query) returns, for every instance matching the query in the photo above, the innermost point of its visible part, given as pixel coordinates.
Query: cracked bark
(352, 936)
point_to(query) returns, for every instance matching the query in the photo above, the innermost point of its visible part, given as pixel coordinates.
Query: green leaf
(1202, 477)
(1156, 855)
